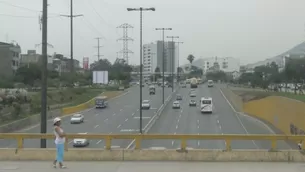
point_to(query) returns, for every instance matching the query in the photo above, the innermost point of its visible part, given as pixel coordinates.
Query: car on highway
(210, 83)
(80, 142)
(146, 104)
(77, 119)
(192, 94)
(176, 105)
(101, 102)
(206, 105)
(193, 102)
(178, 97)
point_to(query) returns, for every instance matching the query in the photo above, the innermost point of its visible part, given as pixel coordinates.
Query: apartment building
(153, 57)
(10, 58)
(226, 64)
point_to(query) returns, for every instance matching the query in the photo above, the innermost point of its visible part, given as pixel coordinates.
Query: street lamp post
(141, 9)
(178, 72)
(163, 62)
(172, 57)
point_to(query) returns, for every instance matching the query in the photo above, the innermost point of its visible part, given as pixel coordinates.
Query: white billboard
(100, 77)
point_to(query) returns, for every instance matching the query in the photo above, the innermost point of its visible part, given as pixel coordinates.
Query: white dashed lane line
(96, 126)
(119, 126)
(126, 119)
(113, 114)
(98, 141)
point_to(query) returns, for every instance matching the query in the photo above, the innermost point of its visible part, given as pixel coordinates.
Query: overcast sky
(250, 30)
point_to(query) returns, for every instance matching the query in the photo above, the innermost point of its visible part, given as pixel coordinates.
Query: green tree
(190, 58)
(28, 74)
(157, 73)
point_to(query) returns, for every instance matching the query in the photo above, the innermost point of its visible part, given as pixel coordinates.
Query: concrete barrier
(153, 155)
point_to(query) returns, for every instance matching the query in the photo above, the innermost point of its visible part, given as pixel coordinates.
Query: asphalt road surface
(223, 120)
(121, 116)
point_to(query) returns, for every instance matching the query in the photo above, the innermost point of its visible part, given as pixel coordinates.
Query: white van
(210, 83)
(206, 105)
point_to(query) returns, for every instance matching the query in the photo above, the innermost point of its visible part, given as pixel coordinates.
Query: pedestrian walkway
(101, 166)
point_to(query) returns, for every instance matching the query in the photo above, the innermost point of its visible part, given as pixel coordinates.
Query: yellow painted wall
(285, 114)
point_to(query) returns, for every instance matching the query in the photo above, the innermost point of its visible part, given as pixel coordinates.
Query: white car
(146, 104)
(193, 94)
(81, 142)
(77, 118)
(176, 104)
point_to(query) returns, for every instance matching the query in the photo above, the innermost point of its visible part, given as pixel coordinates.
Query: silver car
(145, 104)
(77, 118)
(176, 104)
(80, 142)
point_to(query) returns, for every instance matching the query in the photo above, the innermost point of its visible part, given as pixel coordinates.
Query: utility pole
(43, 121)
(163, 59)
(125, 40)
(178, 56)
(98, 48)
(172, 59)
(141, 9)
(71, 16)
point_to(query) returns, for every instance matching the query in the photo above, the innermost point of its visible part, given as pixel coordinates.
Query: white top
(58, 139)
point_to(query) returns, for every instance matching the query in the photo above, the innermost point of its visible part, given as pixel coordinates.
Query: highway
(121, 116)
(223, 120)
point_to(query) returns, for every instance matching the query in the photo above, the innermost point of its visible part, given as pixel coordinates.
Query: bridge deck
(152, 166)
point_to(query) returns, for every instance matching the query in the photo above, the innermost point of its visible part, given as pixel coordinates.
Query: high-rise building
(153, 57)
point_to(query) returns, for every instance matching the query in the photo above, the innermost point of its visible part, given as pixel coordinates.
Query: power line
(24, 8)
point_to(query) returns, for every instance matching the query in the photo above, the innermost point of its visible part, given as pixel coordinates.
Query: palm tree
(190, 58)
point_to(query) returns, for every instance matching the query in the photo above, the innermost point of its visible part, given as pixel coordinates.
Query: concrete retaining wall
(153, 155)
(286, 114)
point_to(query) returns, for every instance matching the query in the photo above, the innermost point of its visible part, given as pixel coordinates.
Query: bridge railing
(228, 138)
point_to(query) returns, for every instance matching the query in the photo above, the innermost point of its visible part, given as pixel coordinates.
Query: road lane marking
(197, 121)
(220, 127)
(106, 120)
(113, 114)
(96, 126)
(197, 126)
(126, 119)
(181, 110)
(198, 143)
(176, 126)
(217, 121)
(70, 141)
(235, 113)
(98, 142)
(173, 143)
(121, 109)
(96, 114)
(145, 117)
(178, 120)
(132, 114)
(119, 126)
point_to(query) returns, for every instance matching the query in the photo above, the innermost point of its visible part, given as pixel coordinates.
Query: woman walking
(59, 142)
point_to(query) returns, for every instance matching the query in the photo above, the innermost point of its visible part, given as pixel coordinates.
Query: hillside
(297, 50)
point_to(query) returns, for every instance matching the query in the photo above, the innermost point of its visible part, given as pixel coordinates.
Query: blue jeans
(60, 149)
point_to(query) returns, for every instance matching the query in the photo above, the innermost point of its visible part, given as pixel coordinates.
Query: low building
(10, 59)
(226, 64)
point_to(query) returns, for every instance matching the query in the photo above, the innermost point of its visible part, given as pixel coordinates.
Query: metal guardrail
(20, 137)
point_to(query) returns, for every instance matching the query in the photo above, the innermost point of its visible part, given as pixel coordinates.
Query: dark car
(179, 97)
(193, 103)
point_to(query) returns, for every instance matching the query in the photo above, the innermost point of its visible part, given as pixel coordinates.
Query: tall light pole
(71, 16)
(141, 9)
(178, 56)
(172, 57)
(163, 58)
(43, 121)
